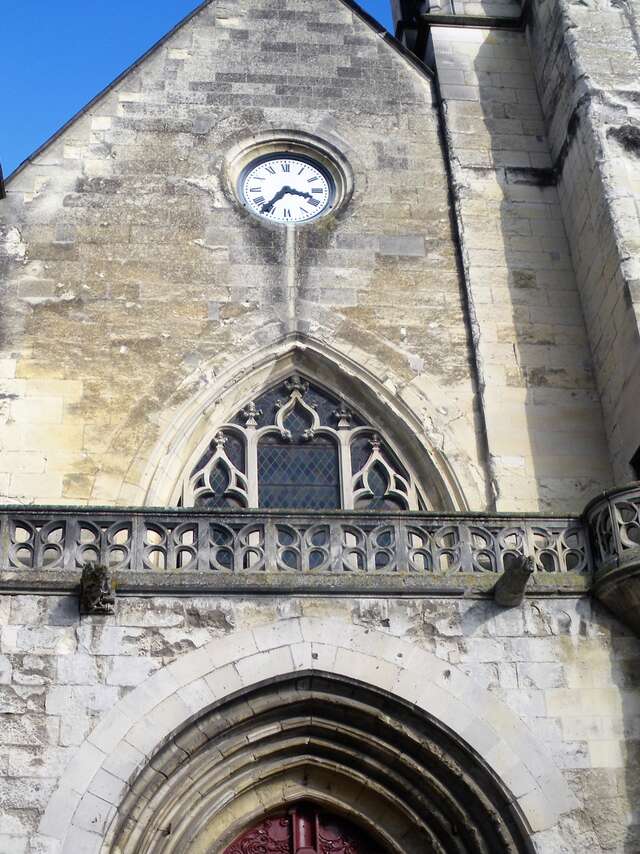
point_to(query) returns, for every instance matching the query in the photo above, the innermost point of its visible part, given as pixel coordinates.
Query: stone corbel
(618, 588)
(97, 591)
(510, 588)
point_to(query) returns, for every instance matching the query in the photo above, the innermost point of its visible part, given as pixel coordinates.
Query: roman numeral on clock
(286, 167)
(259, 200)
(314, 202)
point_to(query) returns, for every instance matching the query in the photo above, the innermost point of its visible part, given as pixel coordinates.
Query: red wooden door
(303, 830)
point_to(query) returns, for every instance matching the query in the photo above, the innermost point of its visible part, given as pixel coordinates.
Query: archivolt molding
(187, 432)
(323, 739)
(142, 731)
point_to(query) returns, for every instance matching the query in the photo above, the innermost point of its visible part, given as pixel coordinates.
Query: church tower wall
(440, 309)
(126, 221)
(578, 81)
(542, 407)
(587, 67)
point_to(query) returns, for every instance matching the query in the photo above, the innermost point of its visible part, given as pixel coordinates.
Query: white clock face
(286, 189)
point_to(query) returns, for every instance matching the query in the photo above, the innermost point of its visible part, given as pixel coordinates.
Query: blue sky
(56, 56)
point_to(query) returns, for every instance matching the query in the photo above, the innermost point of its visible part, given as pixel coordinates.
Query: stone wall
(558, 679)
(542, 406)
(133, 283)
(132, 279)
(587, 68)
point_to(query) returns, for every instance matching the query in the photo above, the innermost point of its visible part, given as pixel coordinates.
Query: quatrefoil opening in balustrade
(298, 446)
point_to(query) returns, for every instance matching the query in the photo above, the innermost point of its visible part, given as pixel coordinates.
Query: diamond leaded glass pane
(298, 475)
(379, 484)
(297, 421)
(378, 481)
(361, 451)
(216, 497)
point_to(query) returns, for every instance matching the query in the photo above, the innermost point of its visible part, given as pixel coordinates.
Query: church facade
(320, 366)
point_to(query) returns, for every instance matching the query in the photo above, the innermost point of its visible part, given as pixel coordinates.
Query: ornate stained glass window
(299, 446)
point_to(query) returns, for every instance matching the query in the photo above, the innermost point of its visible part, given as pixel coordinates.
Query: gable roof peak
(353, 6)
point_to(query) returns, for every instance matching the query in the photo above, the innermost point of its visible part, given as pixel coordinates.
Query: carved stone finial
(344, 416)
(376, 442)
(296, 383)
(220, 439)
(509, 590)
(251, 413)
(96, 590)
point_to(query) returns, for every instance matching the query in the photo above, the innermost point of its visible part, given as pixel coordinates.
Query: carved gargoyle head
(96, 590)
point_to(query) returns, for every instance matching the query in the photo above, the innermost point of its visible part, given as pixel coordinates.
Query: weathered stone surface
(124, 234)
(481, 282)
(532, 347)
(586, 61)
(561, 665)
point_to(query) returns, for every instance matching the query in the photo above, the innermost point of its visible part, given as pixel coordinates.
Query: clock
(286, 188)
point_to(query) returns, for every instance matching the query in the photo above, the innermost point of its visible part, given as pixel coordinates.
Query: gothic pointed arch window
(298, 446)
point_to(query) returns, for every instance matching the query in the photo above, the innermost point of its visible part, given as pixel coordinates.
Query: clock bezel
(289, 144)
(287, 155)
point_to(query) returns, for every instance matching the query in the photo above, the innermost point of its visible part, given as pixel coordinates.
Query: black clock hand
(300, 193)
(267, 207)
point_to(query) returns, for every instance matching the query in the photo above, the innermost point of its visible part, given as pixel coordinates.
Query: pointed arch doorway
(357, 765)
(304, 829)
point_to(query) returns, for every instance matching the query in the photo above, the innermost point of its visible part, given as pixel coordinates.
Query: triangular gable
(354, 7)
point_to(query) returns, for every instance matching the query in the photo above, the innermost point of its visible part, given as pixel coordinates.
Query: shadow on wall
(607, 718)
(534, 343)
(543, 411)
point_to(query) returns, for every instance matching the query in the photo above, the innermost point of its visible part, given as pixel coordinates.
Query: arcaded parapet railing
(311, 543)
(614, 520)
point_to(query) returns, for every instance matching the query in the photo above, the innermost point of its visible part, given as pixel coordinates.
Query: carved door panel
(304, 830)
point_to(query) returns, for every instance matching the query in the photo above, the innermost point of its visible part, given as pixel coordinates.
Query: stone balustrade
(166, 549)
(614, 522)
(255, 541)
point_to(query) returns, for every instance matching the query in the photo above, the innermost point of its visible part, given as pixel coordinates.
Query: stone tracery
(298, 446)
